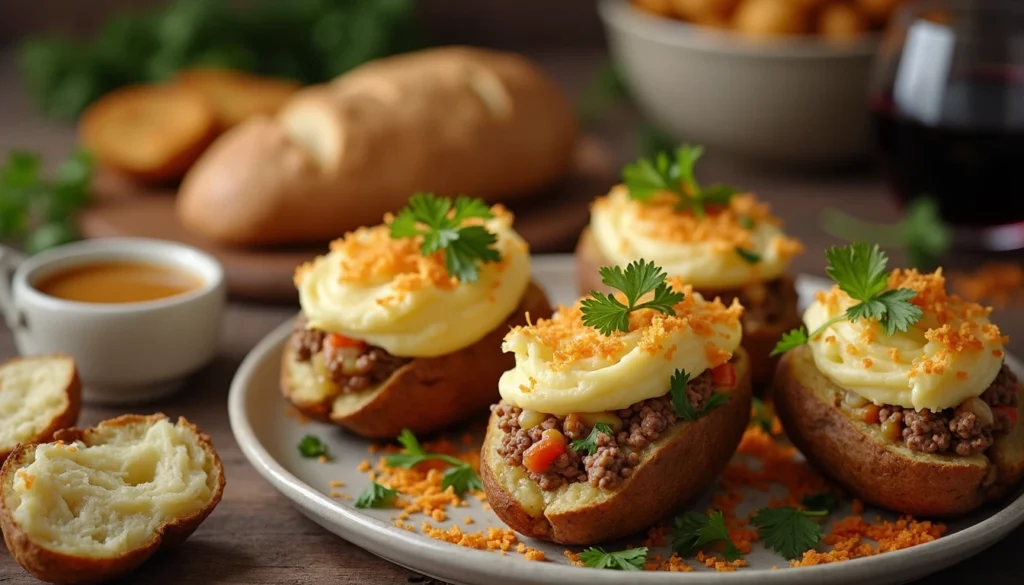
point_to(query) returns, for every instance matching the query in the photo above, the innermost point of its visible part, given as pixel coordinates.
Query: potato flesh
(110, 496)
(32, 393)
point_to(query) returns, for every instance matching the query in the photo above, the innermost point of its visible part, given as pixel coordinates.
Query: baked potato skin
(64, 569)
(758, 340)
(659, 485)
(875, 471)
(428, 394)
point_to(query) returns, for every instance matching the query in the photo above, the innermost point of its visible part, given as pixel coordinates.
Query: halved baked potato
(673, 470)
(39, 395)
(424, 395)
(100, 501)
(758, 338)
(877, 470)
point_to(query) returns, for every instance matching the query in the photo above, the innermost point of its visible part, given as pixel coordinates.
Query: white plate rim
(425, 555)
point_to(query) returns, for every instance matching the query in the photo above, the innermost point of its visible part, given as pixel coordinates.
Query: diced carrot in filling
(539, 457)
(724, 375)
(339, 341)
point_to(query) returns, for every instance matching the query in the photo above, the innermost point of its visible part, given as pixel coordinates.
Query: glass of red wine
(948, 107)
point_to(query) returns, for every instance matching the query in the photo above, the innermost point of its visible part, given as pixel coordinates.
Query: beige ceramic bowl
(785, 100)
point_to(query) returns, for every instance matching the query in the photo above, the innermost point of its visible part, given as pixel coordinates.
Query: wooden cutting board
(551, 221)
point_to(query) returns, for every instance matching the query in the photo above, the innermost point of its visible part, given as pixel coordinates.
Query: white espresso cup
(125, 352)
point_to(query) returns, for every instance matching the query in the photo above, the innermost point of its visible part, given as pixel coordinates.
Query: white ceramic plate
(268, 437)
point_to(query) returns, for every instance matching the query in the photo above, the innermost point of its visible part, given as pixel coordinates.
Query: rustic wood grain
(256, 537)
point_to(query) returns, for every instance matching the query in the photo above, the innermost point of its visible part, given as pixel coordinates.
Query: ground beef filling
(616, 456)
(968, 429)
(353, 368)
(764, 303)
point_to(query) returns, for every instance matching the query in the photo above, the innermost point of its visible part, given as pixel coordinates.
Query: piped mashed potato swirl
(383, 291)
(953, 353)
(702, 251)
(563, 366)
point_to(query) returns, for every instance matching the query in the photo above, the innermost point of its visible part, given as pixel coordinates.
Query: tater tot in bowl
(778, 81)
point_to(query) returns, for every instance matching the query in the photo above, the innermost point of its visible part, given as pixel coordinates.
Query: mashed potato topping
(702, 251)
(951, 354)
(563, 366)
(385, 292)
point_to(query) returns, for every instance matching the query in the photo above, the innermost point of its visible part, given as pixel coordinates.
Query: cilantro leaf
(607, 314)
(461, 477)
(693, 530)
(376, 496)
(788, 531)
(681, 401)
(439, 222)
(746, 222)
(748, 256)
(675, 174)
(311, 447)
(632, 559)
(826, 501)
(899, 313)
(468, 207)
(858, 269)
(589, 443)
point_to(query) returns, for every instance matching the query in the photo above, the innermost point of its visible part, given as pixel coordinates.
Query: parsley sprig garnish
(588, 444)
(376, 496)
(681, 401)
(632, 559)
(859, 270)
(460, 477)
(792, 531)
(608, 314)
(676, 175)
(439, 221)
(693, 530)
(312, 447)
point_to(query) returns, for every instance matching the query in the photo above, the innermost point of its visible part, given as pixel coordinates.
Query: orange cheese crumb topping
(572, 341)
(371, 255)
(722, 225)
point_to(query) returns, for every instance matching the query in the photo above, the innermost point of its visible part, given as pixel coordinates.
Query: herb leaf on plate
(632, 559)
(376, 496)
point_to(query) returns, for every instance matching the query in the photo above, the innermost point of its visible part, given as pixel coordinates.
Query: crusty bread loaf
(453, 120)
(98, 502)
(38, 396)
(236, 96)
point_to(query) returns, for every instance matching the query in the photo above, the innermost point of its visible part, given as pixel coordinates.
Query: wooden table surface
(256, 536)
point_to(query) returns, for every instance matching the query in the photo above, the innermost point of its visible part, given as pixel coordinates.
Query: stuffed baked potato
(921, 417)
(394, 335)
(722, 242)
(601, 433)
